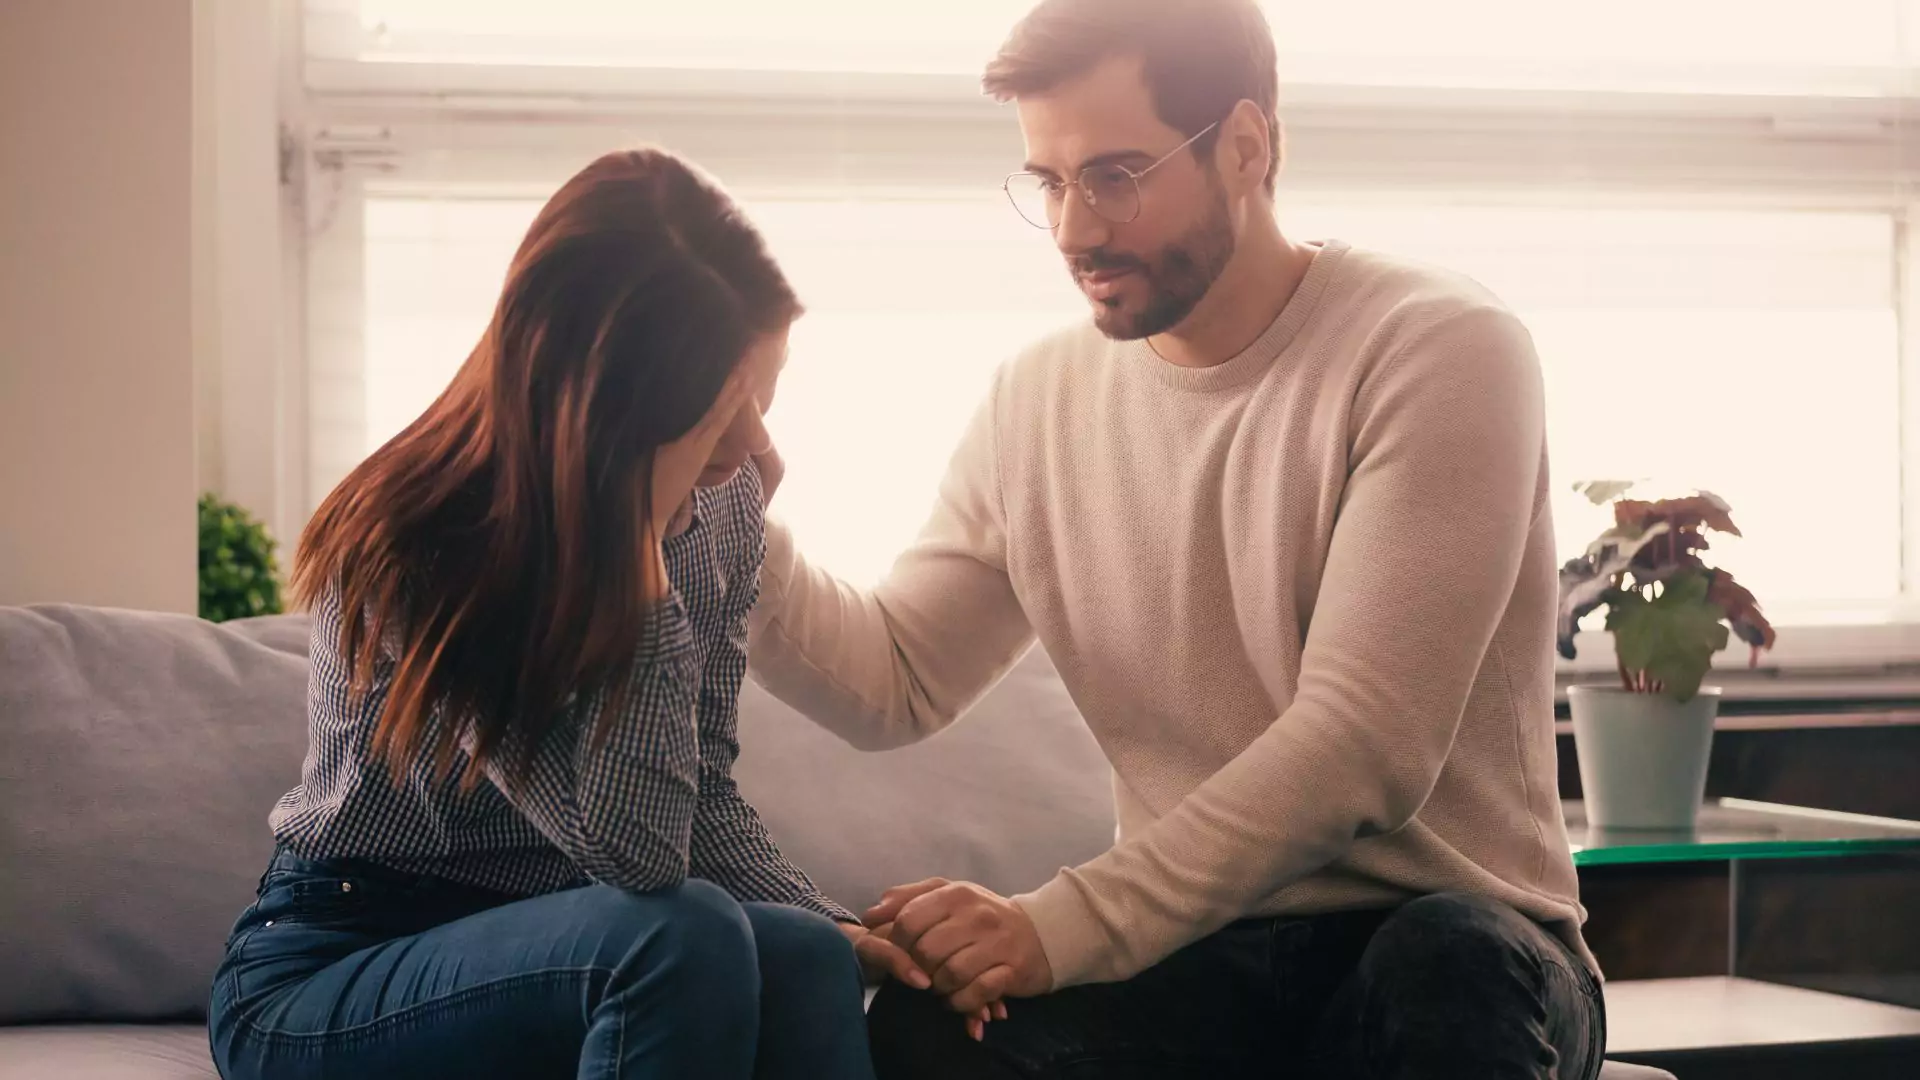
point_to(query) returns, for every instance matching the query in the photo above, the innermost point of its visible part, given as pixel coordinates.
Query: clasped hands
(968, 944)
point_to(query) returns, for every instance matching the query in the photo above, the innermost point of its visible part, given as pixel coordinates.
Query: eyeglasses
(1112, 191)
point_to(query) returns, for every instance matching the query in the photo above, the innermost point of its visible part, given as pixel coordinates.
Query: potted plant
(1644, 744)
(238, 575)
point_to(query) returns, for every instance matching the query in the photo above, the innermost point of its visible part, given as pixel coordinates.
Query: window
(1751, 353)
(1722, 45)
(1754, 354)
(1708, 232)
(913, 302)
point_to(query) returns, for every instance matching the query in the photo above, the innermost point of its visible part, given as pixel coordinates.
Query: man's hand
(979, 946)
(772, 469)
(880, 958)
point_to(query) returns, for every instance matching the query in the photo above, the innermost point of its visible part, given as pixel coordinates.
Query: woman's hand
(880, 959)
(678, 464)
(772, 469)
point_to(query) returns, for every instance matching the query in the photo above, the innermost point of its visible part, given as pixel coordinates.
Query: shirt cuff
(1075, 942)
(820, 905)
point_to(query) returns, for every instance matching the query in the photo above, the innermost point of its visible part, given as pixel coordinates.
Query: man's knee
(1450, 938)
(902, 1020)
(915, 1036)
(1469, 982)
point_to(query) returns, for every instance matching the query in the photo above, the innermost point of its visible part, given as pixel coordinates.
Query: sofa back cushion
(139, 754)
(1013, 791)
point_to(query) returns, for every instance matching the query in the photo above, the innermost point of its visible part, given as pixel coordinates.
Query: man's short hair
(1200, 57)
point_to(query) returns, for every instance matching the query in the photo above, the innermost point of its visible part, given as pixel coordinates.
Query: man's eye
(1108, 181)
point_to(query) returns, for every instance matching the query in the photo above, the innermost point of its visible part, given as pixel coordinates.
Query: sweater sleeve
(889, 666)
(1446, 449)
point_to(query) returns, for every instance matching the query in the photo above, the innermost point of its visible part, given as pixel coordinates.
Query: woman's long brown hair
(489, 556)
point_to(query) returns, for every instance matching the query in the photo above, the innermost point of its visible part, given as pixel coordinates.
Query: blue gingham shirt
(653, 804)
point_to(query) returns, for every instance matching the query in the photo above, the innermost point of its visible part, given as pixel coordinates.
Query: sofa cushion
(106, 1052)
(1005, 797)
(139, 755)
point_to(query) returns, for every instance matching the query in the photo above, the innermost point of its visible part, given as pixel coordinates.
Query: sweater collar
(1266, 348)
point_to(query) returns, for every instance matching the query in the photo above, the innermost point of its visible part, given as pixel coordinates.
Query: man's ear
(1245, 153)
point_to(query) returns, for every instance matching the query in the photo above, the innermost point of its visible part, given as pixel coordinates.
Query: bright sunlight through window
(1756, 352)
(1759, 46)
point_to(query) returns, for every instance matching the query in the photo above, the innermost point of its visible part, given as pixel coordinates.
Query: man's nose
(1080, 229)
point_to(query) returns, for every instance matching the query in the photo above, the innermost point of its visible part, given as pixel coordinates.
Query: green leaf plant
(1669, 612)
(238, 576)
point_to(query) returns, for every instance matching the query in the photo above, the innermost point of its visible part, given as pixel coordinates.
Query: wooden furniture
(1781, 1005)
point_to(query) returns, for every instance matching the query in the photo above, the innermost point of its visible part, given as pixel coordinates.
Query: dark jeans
(349, 970)
(1445, 986)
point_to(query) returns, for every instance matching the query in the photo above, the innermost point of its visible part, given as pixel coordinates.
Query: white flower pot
(1643, 757)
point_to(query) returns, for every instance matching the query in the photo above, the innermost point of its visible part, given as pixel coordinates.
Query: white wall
(249, 434)
(97, 459)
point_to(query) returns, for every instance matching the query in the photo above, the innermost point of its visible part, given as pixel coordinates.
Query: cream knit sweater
(1304, 599)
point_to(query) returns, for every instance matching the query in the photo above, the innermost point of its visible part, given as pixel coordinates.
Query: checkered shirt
(654, 803)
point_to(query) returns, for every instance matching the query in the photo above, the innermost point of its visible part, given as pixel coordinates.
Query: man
(1280, 517)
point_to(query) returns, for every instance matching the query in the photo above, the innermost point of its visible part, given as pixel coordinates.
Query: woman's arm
(617, 793)
(731, 846)
(621, 805)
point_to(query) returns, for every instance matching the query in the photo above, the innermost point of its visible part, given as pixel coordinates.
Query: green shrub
(238, 576)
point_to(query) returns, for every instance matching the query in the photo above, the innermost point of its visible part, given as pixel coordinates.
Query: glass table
(1815, 953)
(1735, 830)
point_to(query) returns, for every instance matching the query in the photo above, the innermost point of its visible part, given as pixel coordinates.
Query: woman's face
(748, 435)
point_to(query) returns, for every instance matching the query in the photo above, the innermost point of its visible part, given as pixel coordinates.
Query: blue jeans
(1444, 986)
(351, 970)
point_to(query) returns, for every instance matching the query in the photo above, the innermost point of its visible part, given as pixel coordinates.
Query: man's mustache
(1095, 262)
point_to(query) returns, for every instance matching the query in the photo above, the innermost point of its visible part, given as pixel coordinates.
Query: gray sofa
(140, 752)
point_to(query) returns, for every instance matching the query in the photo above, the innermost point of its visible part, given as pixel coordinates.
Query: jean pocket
(306, 898)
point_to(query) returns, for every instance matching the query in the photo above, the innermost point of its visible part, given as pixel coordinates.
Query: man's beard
(1177, 277)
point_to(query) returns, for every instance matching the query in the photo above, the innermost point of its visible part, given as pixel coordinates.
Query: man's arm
(890, 666)
(1424, 557)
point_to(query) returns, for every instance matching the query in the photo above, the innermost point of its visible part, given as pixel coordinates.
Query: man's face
(747, 435)
(1145, 276)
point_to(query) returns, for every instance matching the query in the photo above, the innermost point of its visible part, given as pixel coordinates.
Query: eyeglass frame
(1139, 200)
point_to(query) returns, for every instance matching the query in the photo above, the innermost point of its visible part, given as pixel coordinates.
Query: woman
(516, 848)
